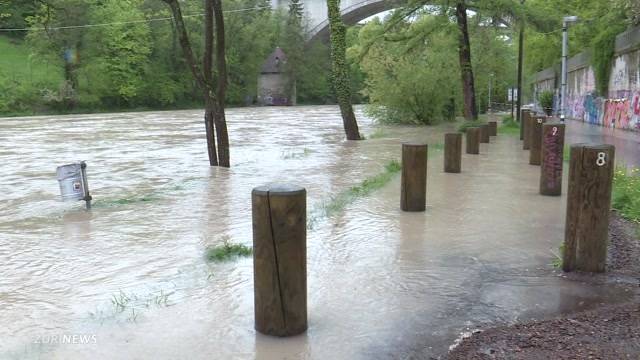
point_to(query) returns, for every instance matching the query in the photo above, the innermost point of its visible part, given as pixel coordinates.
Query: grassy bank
(338, 202)
(626, 193)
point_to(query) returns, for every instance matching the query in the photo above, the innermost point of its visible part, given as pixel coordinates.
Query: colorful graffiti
(619, 113)
(592, 109)
(619, 109)
(616, 114)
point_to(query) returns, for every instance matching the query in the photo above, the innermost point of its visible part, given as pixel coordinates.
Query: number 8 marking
(602, 159)
(555, 130)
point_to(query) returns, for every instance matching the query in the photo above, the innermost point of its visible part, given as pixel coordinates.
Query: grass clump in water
(467, 124)
(227, 251)
(557, 262)
(286, 155)
(366, 187)
(626, 193)
(127, 201)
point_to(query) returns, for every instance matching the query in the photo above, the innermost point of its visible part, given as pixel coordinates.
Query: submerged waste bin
(72, 179)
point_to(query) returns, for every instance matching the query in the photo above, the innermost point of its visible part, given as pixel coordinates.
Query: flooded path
(382, 284)
(627, 143)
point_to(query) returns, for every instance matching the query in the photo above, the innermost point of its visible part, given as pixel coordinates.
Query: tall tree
(340, 71)
(61, 44)
(293, 44)
(213, 87)
(466, 68)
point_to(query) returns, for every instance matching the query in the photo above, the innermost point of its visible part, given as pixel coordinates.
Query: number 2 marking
(602, 159)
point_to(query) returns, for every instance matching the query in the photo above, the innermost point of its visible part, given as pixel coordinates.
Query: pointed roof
(274, 63)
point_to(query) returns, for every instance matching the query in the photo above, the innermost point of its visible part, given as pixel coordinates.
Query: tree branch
(185, 43)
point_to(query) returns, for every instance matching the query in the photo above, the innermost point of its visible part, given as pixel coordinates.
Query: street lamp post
(490, 86)
(565, 53)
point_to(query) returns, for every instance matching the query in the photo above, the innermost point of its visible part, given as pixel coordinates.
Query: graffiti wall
(621, 108)
(620, 113)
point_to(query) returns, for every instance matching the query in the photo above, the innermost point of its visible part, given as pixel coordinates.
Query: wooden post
(552, 159)
(279, 214)
(452, 152)
(493, 128)
(527, 123)
(413, 194)
(535, 139)
(484, 133)
(473, 140)
(588, 206)
(524, 114)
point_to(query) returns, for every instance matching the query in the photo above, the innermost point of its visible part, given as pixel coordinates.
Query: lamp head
(570, 19)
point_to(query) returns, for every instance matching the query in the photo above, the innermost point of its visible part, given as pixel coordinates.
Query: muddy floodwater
(128, 279)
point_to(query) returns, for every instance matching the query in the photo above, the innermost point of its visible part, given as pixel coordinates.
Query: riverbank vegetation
(59, 64)
(69, 56)
(626, 193)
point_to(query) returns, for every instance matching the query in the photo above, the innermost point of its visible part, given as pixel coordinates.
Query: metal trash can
(72, 179)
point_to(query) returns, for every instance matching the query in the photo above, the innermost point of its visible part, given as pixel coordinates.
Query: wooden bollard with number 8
(552, 159)
(588, 206)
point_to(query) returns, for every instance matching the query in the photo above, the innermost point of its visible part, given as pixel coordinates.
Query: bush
(412, 87)
(546, 101)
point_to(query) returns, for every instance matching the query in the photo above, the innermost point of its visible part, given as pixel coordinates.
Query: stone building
(274, 84)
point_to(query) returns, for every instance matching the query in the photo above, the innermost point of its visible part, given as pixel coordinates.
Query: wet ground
(627, 143)
(130, 275)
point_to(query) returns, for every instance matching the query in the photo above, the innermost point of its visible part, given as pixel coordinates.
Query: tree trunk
(340, 73)
(213, 89)
(464, 50)
(209, 114)
(219, 117)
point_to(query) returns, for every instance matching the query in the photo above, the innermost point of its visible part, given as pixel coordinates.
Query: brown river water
(382, 283)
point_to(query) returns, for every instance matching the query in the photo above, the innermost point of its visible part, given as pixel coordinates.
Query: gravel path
(608, 332)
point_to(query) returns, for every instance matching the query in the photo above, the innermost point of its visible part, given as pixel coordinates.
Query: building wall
(621, 108)
(273, 90)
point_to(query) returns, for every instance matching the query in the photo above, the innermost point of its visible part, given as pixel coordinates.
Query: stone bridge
(352, 11)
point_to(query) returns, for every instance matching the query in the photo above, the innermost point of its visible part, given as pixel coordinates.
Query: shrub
(546, 101)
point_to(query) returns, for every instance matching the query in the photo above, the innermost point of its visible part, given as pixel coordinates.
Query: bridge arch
(351, 15)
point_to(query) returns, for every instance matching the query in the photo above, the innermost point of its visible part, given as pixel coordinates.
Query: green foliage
(227, 251)
(494, 62)
(339, 68)
(509, 126)
(24, 79)
(545, 99)
(557, 261)
(626, 193)
(407, 82)
(602, 56)
(599, 23)
(121, 66)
